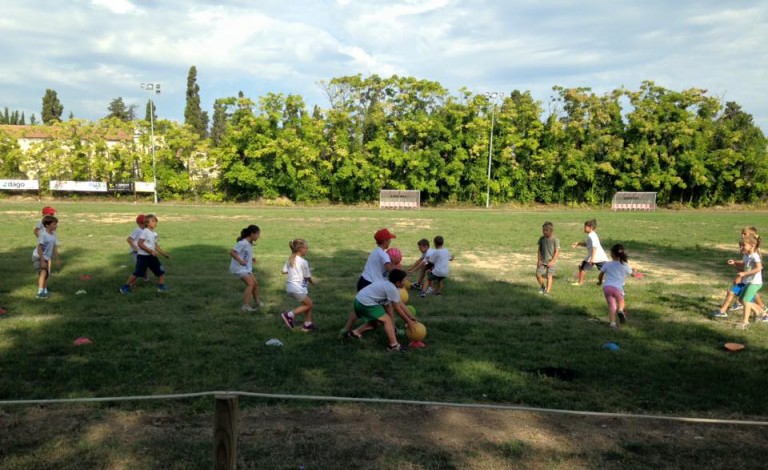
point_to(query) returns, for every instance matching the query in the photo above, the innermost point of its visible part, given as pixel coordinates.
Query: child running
(47, 210)
(297, 269)
(753, 231)
(733, 292)
(546, 258)
(595, 254)
(378, 264)
(615, 272)
(376, 304)
(241, 266)
(752, 277)
(146, 257)
(45, 251)
(133, 239)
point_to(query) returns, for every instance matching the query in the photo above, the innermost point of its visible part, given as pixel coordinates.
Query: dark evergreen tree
(52, 107)
(150, 108)
(33, 120)
(193, 114)
(22, 121)
(71, 115)
(5, 118)
(118, 109)
(219, 122)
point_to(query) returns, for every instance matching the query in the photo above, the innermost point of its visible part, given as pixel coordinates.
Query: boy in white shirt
(595, 253)
(146, 257)
(421, 263)
(46, 250)
(378, 264)
(438, 267)
(133, 239)
(376, 304)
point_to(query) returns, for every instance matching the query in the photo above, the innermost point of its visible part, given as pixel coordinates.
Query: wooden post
(225, 432)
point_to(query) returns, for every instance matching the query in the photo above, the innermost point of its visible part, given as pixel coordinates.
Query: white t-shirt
(244, 250)
(135, 237)
(298, 274)
(378, 293)
(750, 261)
(374, 268)
(150, 240)
(594, 242)
(39, 225)
(48, 240)
(615, 273)
(425, 256)
(441, 258)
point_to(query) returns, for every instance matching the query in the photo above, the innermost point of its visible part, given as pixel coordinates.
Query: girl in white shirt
(299, 275)
(752, 277)
(242, 266)
(615, 272)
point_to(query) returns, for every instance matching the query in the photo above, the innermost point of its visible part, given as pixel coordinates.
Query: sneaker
(41, 295)
(125, 290)
(719, 314)
(423, 294)
(416, 286)
(614, 326)
(764, 319)
(247, 309)
(162, 289)
(397, 348)
(259, 303)
(542, 290)
(622, 316)
(736, 308)
(309, 328)
(287, 320)
(742, 326)
(576, 284)
(430, 290)
(352, 335)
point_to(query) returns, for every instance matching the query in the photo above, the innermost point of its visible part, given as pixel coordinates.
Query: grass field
(492, 337)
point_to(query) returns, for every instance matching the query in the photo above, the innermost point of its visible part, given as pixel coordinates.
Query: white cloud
(119, 7)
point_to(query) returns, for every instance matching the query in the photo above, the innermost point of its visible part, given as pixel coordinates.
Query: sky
(92, 51)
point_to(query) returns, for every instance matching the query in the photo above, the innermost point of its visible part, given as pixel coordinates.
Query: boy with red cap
(377, 267)
(47, 210)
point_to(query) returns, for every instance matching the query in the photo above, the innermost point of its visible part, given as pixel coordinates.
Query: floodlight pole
(152, 87)
(492, 95)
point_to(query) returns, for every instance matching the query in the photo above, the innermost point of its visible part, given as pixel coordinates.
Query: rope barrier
(387, 401)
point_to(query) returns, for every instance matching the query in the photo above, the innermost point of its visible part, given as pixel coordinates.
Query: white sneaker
(259, 303)
(736, 307)
(542, 290)
(247, 309)
(430, 290)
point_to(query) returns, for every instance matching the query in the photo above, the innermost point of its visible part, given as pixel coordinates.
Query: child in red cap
(47, 210)
(377, 267)
(133, 239)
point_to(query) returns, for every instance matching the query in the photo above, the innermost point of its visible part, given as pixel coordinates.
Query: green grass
(488, 336)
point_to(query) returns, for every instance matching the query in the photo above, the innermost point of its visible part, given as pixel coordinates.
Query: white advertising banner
(84, 186)
(19, 185)
(142, 187)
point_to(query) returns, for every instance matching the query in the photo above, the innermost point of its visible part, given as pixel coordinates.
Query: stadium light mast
(152, 88)
(492, 96)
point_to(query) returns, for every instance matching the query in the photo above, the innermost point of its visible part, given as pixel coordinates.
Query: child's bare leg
(248, 292)
(550, 279)
(305, 309)
(131, 280)
(727, 302)
(255, 290)
(351, 320)
(371, 325)
(747, 311)
(389, 329)
(439, 289)
(161, 279)
(759, 302)
(422, 274)
(42, 279)
(582, 275)
(540, 280)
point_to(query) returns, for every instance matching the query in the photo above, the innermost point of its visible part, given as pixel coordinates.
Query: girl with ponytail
(242, 266)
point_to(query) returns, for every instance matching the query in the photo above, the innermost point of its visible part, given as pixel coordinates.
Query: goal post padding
(399, 199)
(633, 201)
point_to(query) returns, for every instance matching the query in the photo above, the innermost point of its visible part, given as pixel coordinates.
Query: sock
(307, 323)
(613, 323)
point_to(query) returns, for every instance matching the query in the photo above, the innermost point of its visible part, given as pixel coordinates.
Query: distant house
(28, 135)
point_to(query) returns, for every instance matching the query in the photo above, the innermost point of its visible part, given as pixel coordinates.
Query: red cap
(140, 219)
(383, 235)
(48, 210)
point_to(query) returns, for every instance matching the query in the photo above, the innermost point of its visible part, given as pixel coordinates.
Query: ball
(395, 255)
(416, 332)
(411, 309)
(403, 295)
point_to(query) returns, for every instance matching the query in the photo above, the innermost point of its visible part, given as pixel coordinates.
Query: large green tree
(117, 109)
(52, 107)
(193, 113)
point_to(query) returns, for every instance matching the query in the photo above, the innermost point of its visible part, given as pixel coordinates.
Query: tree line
(406, 133)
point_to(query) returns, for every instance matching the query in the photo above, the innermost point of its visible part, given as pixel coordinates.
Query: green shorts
(749, 292)
(369, 312)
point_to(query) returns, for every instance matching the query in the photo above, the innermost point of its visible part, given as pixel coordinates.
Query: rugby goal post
(633, 201)
(399, 199)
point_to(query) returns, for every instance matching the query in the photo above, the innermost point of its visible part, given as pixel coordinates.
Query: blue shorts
(736, 289)
(144, 262)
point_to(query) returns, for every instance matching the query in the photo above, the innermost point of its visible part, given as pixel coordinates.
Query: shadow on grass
(487, 338)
